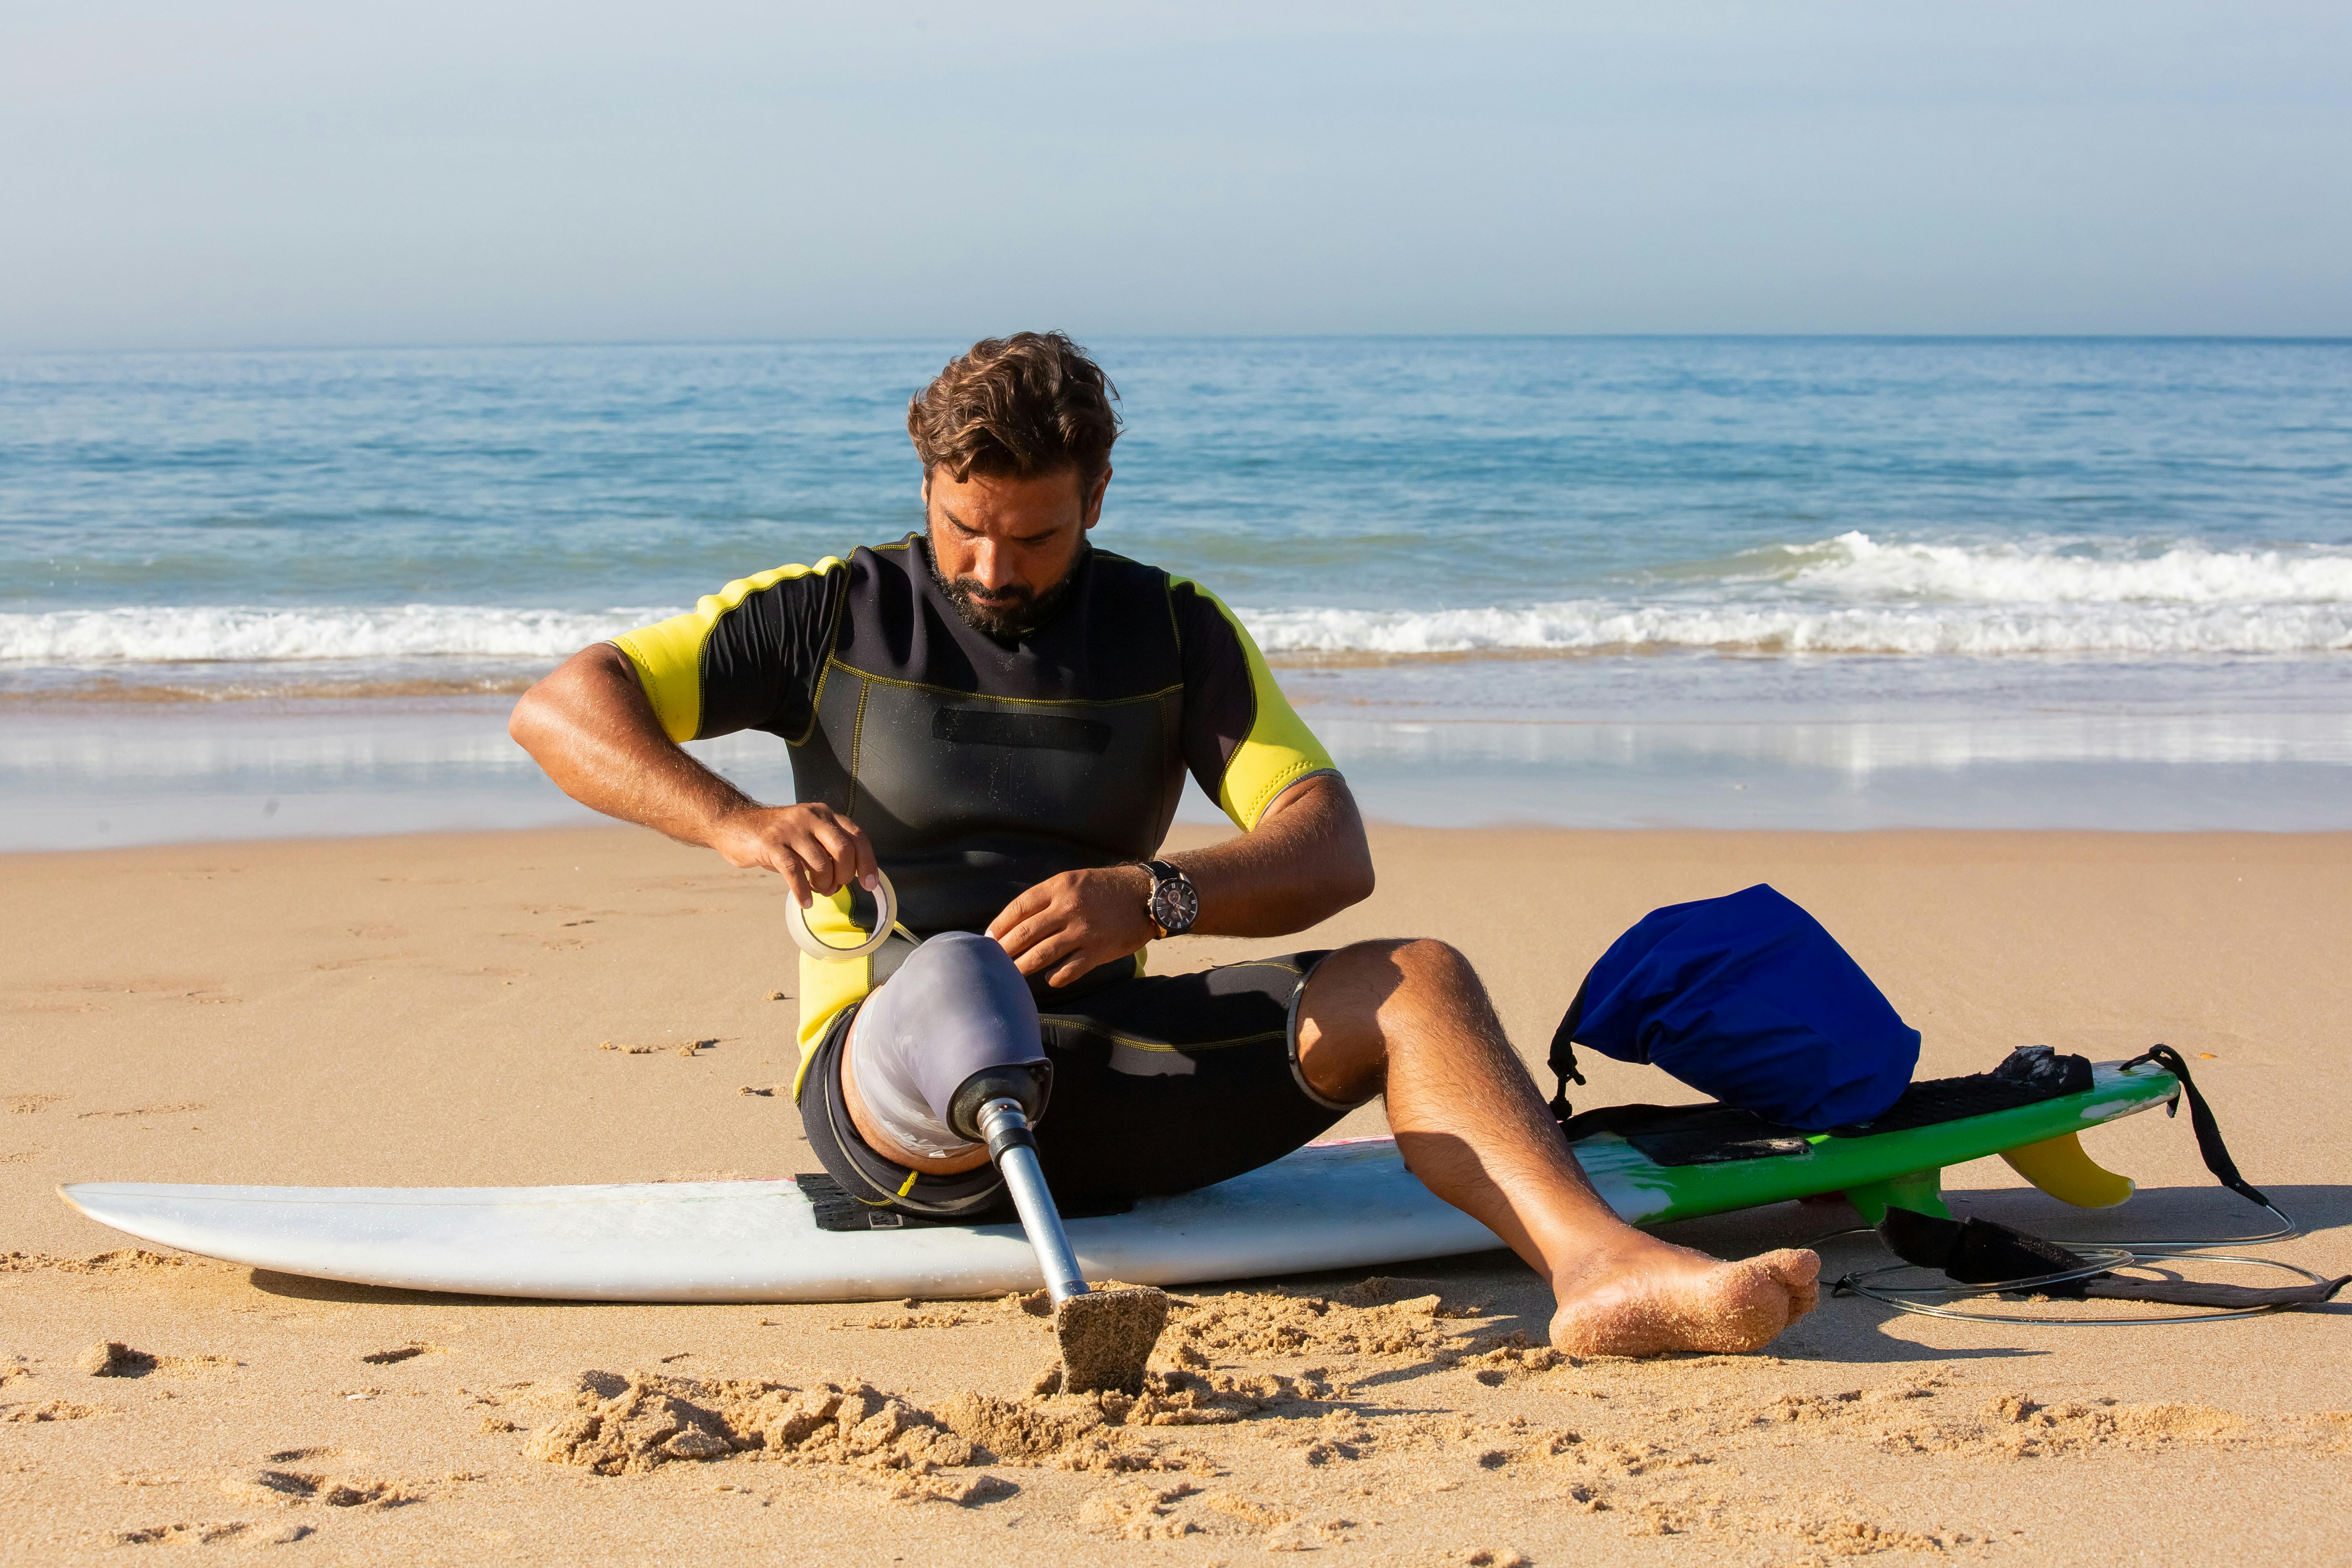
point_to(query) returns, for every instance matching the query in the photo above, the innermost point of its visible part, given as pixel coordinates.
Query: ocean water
(1734, 581)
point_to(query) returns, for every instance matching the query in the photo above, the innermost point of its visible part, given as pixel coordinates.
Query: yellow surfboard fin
(2059, 1167)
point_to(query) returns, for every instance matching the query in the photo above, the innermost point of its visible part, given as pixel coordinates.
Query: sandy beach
(431, 1010)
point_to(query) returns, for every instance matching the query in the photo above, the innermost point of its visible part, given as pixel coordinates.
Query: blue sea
(1800, 583)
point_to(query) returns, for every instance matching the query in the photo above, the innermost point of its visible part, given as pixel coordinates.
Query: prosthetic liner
(953, 1029)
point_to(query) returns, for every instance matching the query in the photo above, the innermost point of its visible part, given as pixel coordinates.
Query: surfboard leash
(1967, 1251)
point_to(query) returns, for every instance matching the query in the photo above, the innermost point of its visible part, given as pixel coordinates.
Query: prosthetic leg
(950, 1054)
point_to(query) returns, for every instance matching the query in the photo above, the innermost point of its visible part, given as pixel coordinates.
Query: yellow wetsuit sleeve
(709, 671)
(1243, 739)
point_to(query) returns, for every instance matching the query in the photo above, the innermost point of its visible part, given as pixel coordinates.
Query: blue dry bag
(1747, 998)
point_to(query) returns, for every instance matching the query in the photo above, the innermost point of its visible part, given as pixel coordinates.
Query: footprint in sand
(113, 1358)
(192, 1534)
(180, 1109)
(287, 1488)
(50, 1410)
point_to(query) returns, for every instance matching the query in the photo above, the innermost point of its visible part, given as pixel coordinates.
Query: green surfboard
(2040, 1141)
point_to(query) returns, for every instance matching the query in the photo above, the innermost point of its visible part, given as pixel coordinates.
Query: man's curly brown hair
(1028, 404)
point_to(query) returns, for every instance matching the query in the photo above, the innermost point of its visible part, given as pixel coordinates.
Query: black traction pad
(1716, 1134)
(836, 1210)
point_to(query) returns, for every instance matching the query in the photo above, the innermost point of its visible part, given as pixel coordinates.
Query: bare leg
(1411, 1018)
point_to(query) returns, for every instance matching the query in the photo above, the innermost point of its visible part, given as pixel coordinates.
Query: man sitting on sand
(1001, 715)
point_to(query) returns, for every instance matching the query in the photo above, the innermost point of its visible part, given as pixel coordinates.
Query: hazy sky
(251, 173)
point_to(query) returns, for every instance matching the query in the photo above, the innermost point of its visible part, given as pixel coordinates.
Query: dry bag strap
(1562, 1057)
(2201, 1117)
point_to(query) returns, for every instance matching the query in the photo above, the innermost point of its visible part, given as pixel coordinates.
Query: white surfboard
(1349, 1204)
(1330, 1206)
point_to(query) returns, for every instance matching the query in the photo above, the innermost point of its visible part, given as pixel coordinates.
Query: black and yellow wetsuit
(980, 768)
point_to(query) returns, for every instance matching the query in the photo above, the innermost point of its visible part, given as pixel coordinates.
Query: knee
(1412, 970)
(1356, 993)
(1425, 964)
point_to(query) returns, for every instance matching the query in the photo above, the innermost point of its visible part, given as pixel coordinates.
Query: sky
(257, 173)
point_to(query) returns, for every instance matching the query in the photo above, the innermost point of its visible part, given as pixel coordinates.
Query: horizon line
(2316, 338)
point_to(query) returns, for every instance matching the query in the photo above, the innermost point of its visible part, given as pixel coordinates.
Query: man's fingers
(869, 867)
(1050, 952)
(1013, 915)
(788, 867)
(839, 852)
(1026, 935)
(853, 853)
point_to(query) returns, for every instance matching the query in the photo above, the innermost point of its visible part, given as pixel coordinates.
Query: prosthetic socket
(954, 1028)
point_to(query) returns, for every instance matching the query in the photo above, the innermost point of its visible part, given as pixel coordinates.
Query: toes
(1801, 1273)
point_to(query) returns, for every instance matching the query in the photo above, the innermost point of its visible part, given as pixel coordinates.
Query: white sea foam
(1854, 565)
(1847, 594)
(2137, 630)
(1853, 594)
(164, 633)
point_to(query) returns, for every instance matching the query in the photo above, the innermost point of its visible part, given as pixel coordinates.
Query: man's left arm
(1305, 861)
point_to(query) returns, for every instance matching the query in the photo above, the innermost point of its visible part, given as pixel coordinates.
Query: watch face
(1174, 905)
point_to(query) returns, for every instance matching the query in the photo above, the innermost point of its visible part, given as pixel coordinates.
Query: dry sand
(432, 1010)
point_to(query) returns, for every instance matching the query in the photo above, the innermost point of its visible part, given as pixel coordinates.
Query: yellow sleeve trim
(1279, 749)
(667, 655)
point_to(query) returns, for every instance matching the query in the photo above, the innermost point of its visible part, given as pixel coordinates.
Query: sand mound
(629, 1425)
(1137, 1512)
(632, 1423)
(113, 1358)
(1512, 1358)
(1241, 1325)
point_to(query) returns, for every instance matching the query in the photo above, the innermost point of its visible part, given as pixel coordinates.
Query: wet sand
(429, 1010)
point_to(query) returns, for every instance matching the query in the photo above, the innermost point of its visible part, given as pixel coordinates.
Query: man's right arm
(590, 726)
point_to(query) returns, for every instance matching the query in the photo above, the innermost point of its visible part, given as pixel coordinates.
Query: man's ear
(1094, 503)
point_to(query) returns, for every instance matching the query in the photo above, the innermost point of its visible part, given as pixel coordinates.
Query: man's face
(1003, 545)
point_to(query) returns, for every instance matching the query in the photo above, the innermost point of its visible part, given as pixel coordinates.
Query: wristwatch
(1175, 904)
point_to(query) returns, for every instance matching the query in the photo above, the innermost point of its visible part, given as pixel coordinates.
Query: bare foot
(1677, 1299)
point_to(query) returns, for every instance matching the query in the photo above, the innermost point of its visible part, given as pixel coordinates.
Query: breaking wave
(174, 633)
(1853, 594)
(1847, 594)
(1854, 565)
(1596, 626)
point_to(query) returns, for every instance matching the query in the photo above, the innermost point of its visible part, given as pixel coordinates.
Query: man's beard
(1015, 611)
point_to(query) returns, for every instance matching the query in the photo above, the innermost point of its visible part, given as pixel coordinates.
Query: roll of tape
(815, 946)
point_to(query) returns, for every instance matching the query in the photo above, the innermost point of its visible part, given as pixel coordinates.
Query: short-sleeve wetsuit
(980, 767)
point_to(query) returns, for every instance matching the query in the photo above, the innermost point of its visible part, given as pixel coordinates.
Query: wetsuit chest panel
(971, 799)
(980, 768)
